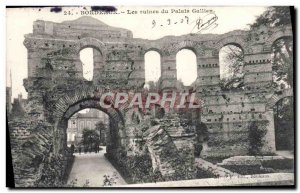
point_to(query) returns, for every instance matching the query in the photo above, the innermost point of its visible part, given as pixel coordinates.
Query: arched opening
(90, 123)
(91, 134)
(92, 62)
(152, 70)
(231, 62)
(282, 62)
(112, 116)
(284, 124)
(186, 66)
(201, 138)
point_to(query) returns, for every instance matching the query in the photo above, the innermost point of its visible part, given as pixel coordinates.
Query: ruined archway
(113, 132)
(152, 69)
(91, 54)
(284, 124)
(282, 62)
(186, 66)
(231, 62)
(75, 101)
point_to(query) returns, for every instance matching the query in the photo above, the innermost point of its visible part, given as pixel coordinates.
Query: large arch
(284, 124)
(282, 61)
(186, 66)
(88, 63)
(277, 34)
(234, 40)
(91, 42)
(99, 54)
(153, 66)
(185, 44)
(116, 129)
(271, 102)
(231, 64)
(74, 101)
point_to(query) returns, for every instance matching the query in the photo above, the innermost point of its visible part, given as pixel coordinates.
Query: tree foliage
(90, 138)
(232, 59)
(284, 124)
(283, 62)
(257, 131)
(275, 16)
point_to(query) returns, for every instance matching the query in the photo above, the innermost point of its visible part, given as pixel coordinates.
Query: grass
(267, 166)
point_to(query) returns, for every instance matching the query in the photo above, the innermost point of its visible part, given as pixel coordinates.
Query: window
(186, 66)
(152, 68)
(89, 57)
(231, 62)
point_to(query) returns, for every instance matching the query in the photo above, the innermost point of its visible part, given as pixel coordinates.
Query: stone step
(216, 170)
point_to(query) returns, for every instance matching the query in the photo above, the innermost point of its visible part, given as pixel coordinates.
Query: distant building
(80, 121)
(18, 107)
(8, 100)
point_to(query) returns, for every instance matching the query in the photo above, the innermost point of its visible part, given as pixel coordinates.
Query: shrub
(257, 131)
(136, 169)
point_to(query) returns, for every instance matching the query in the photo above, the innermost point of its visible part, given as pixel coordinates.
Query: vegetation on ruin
(257, 132)
(284, 123)
(282, 62)
(135, 169)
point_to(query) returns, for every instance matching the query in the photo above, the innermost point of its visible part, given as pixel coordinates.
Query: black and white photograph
(150, 96)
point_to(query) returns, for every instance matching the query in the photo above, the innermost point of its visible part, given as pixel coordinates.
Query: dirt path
(93, 167)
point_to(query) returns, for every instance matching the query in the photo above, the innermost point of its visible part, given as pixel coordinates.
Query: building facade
(79, 121)
(8, 100)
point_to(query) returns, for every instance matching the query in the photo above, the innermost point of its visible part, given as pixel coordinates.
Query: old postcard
(161, 96)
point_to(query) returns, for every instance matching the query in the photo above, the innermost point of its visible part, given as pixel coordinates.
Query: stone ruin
(56, 90)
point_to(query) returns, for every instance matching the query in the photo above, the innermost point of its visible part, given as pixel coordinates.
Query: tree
(101, 128)
(284, 124)
(232, 59)
(283, 61)
(273, 17)
(90, 138)
(257, 131)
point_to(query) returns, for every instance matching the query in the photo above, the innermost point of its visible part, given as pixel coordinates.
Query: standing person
(95, 148)
(98, 149)
(79, 149)
(72, 148)
(85, 149)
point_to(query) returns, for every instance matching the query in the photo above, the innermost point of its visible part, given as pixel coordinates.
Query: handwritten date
(199, 24)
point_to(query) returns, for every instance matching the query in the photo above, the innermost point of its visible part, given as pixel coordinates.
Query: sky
(20, 21)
